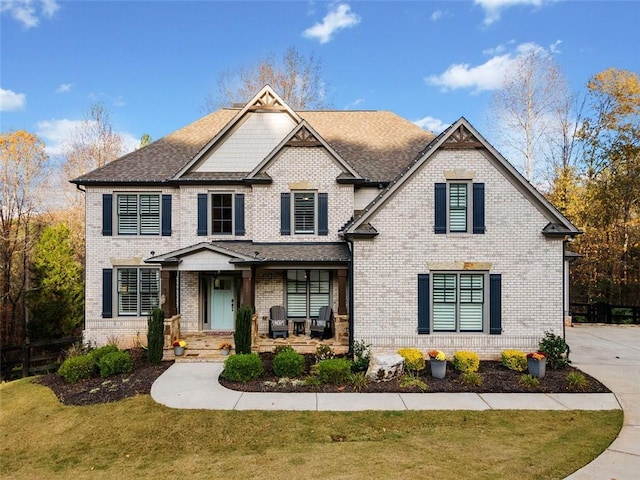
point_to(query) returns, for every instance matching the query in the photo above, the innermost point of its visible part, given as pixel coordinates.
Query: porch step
(196, 355)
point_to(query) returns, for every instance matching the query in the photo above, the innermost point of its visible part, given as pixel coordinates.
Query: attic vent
(462, 138)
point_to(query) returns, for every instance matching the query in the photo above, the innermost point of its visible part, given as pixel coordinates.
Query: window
(304, 213)
(138, 214)
(221, 214)
(307, 291)
(138, 290)
(458, 302)
(458, 207)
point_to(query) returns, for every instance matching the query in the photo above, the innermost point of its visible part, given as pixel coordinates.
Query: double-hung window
(304, 213)
(138, 290)
(458, 207)
(221, 213)
(138, 214)
(458, 302)
(307, 292)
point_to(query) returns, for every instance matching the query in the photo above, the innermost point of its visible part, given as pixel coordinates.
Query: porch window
(138, 290)
(138, 214)
(458, 302)
(307, 291)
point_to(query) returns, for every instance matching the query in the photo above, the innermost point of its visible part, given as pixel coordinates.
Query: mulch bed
(104, 390)
(495, 379)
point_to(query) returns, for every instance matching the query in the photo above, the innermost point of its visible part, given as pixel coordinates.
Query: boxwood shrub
(78, 368)
(288, 364)
(98, 353)
(242, 367)
(114, 363)
(334, 370)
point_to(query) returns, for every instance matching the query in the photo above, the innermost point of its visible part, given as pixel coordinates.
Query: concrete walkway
(611, 354)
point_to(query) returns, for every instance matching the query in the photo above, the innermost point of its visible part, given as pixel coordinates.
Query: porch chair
(278, 322)
(323, 325)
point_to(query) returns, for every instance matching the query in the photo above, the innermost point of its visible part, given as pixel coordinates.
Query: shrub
(514, 360)
(75, 369)
(359, 380)
(334, 370)
(76, 349)
(412, 380)
(288, 364)
(577, 381)
(472, 378)
(98, 353)
(242, 335)
(556, 350)
(413, 359)
(465, 361)
(114, 363)
(361, 357)
(324, 352)
(155, 336)
(529, 381)
(282, 348)
(242, 367)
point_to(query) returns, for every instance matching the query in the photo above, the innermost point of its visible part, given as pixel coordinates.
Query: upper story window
(304, 213)
(221, 213)
(458, 207)
(138, 214)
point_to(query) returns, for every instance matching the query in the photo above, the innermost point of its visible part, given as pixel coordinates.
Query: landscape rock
(383, 368)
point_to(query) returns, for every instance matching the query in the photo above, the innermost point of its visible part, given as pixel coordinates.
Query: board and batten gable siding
(248, 143)
(299, 168)
(386, 268)
(107, 251)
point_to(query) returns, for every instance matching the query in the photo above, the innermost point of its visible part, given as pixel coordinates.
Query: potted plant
(537, 362)
(178, 347)
(438, 362)
(225, 348)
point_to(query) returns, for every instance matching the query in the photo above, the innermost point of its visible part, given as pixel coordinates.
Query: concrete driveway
(611, 354)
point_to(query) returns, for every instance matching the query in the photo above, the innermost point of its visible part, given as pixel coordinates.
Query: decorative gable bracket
(461, 137)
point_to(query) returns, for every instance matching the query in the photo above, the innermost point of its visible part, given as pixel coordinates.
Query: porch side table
(298, 327)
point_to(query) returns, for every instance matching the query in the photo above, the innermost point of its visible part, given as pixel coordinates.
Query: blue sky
(153, 62)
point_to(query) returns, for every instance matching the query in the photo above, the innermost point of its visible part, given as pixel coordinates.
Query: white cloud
(337, 19)
(354, 104)
(27, 12)
(493, 8)
(10, 100)
(487, 76)
(64, 88)
(432, 124)
(438, 14)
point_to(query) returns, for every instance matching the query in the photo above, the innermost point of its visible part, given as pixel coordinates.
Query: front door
(222, 312)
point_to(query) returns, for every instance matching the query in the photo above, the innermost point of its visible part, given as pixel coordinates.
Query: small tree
(155, 336)
(242, 335)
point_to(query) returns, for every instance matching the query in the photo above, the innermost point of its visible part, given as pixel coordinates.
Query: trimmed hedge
(243, 367)
(114, 363)
(78, 368)
(98, 353)
(334, 370)
(288, 364)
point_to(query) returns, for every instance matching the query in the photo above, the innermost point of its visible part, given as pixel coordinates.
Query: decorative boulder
(383, 368)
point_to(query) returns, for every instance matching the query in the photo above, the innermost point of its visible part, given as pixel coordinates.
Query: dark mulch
(495, 379)
(104, 390)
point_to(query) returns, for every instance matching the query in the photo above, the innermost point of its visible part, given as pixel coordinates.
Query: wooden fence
(601, 312)
(33, 358)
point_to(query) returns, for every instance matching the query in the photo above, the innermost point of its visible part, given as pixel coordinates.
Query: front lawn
(137, 438)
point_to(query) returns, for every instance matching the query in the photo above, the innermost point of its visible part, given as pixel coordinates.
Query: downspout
(350, 277)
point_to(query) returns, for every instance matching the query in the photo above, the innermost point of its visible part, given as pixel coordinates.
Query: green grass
(138, 438)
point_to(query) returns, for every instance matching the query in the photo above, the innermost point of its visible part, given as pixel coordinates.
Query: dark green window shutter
(202, 214)
(495, 304)
(323, 214)
(423, 303)
(239, 213)
(107, 293)
(166, 215)
(285, 214)
(478, 208)
(440, 208)
(107, 214)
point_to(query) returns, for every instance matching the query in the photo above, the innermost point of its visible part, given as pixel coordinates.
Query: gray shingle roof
(289, 252)
(377, 144)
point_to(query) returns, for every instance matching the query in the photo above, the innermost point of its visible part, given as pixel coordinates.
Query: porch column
(168, 292)
(342, 292)
(247, 297)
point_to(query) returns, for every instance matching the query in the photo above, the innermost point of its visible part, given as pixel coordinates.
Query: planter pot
(438, 368)
(224, 352)
(537, 368)
(178, 351)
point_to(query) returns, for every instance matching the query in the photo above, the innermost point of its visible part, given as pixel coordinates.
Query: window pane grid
(458, 207)
(458, 302)
(304, 212)
(222, 213)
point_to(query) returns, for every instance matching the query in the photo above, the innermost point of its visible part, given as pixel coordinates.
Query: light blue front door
(222, 305)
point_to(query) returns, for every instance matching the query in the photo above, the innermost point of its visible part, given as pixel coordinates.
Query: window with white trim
(307, 291)
(304, 213)
(458, 207)
(221, 213)
(138, 214)
(458, 301)
(138, 290)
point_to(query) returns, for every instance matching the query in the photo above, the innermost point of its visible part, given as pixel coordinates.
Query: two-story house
(411, 240)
